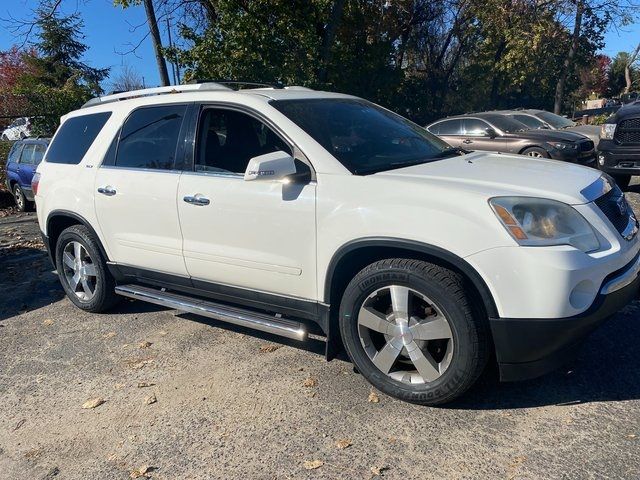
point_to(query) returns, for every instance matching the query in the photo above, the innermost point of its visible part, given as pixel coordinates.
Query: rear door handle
(196, 200)
(108, 191)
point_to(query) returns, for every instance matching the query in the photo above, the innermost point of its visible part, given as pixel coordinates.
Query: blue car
(24, 157)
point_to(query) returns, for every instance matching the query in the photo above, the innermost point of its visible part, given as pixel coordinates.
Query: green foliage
(600, 119)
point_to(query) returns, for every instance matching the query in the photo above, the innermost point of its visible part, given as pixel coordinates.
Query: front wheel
(83, 270)
(408, 327)
(536, 152)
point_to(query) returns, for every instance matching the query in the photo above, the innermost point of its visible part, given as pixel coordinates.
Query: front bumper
(528, 348)
(588, 158)
(616, 159)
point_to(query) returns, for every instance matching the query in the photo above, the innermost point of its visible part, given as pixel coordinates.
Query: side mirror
(275, 166)
(491, 133)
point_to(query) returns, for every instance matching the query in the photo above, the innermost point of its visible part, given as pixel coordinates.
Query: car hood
(496, 174)
(590, 131)
(548, 135)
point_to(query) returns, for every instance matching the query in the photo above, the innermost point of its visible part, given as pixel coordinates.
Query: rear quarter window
(74, 137)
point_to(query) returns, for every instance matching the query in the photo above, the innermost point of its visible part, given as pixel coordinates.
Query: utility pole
(157, 42)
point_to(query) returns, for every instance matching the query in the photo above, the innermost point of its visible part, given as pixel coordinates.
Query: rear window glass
(74, 137)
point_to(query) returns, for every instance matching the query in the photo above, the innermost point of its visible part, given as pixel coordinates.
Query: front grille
(615, 207)
(586, 146)
(628, 131)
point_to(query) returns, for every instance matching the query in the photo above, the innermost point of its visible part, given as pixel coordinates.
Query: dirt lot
(188, 397)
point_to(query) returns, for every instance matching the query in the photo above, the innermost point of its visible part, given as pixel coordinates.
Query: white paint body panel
(255, 235)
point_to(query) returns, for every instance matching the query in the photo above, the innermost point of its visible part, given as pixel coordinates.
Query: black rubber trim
(433, 251)
(47, 245)
(80, 219)
(528, 348)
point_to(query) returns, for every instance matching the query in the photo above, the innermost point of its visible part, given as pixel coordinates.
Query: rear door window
(149, 138)
(27, 154)
(74, 137)
(447, 127)
(14, 154)
(475, 128)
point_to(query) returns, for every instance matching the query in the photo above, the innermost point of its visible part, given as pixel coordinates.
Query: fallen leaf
(119, 386)
(632, 436)
(373, 397)
(144, 344)
(312, 464)
(48, 322)
(310, 382)
(141, 472)
(343, 443)
(109, 335)
(19, 424)
(140, 364)
(145, 384)
(93, 403)
(151, 399)
(162, 332)
(377, 471)
(269, 348)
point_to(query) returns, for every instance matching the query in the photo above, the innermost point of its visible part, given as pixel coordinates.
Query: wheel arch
(58, 221)
(352, 257)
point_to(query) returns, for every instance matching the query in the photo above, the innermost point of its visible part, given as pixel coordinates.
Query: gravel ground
(187, 397)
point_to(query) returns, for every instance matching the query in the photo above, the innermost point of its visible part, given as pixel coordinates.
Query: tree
(154, 32)
(627, 68)
(620, 65)
(12, 67)
(128, 79)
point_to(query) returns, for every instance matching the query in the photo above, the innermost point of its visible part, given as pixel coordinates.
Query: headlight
(564, 146)
(541, 222)
(607, 130)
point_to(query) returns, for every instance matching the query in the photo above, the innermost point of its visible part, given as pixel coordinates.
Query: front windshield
(506, 124)
(556, 121)
(363, 137)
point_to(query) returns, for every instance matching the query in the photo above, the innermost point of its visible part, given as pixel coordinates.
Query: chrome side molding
(237, 316)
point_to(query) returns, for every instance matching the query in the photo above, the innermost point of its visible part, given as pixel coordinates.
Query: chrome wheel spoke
(67, 259)
(89, 270)
(400, 301)
(426, 366)
(370, 318)
(386, 357)
(431, 329)
(86, 287)
(74, 281)
(77, 250)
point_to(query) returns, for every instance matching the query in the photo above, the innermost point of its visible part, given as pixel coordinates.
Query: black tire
(19, 197)
(445, 289)
(104, 297)
(536, 152)
(623, 181)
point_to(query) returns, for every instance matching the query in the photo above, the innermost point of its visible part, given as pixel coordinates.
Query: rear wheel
(536, 152)
(83, 271)
(409, 329)
(22, 203)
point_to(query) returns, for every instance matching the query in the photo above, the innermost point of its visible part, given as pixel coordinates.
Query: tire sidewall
(78, 235)
(456, 374)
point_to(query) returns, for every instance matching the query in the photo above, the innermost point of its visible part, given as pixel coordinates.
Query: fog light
(601, 159)
(582, 294)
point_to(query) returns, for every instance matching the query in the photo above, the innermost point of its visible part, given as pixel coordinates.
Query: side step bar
(237, 316)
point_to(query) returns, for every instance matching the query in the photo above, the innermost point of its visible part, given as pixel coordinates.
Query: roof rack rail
(146, 92)
(238, 83)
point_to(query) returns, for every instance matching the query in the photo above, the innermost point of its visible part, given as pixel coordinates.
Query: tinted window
(149, 138)
(27, 154)
(448, 127)
(14, 153)
(228, 139)
(531, 122)
(74, 137)
(506, 124)
(362, 136)
(38, 153)
(556, 121)
(475, 128)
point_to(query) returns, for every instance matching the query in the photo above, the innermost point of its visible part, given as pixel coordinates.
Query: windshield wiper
(392, 166)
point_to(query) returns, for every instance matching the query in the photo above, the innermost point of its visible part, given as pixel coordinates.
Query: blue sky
(110, 31)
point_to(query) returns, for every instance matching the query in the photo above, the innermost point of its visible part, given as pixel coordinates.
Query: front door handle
(108, 191)
(467, 141)
(196, 200)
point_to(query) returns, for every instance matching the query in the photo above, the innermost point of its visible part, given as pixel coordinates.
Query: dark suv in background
(24, 157)
(500, 133)
(619, 147)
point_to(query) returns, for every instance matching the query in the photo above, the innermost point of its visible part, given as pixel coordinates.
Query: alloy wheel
(534, 154)
(80, 271)
(19, 197)
(405, 335)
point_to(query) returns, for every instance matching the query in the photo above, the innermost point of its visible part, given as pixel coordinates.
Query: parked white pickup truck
(294, 211)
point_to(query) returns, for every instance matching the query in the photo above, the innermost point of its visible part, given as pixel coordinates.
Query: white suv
(294, 211)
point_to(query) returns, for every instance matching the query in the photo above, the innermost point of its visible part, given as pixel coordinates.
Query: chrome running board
(237, 316)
